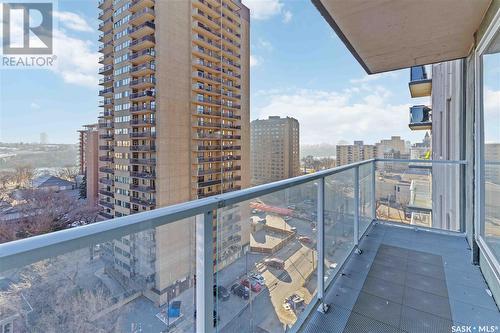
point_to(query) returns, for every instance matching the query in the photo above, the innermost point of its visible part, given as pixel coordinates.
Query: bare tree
(23, 175)
(46, 211)
(52, 289)
(68, 172)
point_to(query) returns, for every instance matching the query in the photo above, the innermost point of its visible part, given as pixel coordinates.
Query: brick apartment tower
(275, 149)
(175, 122)
(88, 160)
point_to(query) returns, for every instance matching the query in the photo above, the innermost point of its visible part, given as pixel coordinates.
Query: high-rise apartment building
(88, 160)
(358, 151)
(175, 125)
(274, 149)
(394, 144)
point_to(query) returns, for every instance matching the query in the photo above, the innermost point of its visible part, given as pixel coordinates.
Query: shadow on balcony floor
(407, 281)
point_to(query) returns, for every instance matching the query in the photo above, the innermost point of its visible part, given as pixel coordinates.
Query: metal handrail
(29, 250)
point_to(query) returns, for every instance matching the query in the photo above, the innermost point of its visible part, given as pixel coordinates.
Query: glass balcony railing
(256, 259)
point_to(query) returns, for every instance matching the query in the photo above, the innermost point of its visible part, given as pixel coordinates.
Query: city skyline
(275, 90)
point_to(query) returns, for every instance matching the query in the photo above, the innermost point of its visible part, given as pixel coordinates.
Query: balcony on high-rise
(420, 85)
(420, 117)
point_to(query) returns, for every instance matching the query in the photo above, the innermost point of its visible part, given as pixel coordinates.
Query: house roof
(50, 181)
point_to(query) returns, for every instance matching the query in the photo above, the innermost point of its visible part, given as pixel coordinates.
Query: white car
(258, 278)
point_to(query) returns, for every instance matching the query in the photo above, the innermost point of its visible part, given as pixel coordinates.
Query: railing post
(373, 193)
(356, 208)
(204, 273)
(320, 246)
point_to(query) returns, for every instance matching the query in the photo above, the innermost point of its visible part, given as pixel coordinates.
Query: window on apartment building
(489, 94)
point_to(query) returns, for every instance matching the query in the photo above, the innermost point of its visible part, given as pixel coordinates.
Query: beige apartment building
(88, 160)
(347, 154)
(275, 149)
(175, 125)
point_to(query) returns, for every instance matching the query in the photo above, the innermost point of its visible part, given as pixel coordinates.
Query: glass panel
(266, 260)
(142, 282)
(339, 220)
(491, 169)
(365, 197)
(419, 194)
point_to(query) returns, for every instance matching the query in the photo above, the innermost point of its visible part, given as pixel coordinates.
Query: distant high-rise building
(394, 144)
(44, 138)
(347, 154)
(274, 149)
(89, 160)
(175, 123)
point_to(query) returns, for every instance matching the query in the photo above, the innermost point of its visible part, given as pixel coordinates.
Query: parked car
(275, 263)
(240, 291)
(221, 293)
(305, 239)
(259, 278)
(287, 218)
(252, 284)
(291, 207)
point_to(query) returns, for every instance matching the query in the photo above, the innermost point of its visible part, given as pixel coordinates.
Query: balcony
(106, 147)
(106, 181)
(107, 124)
(106, 170)
(420, 117)
(105, 158)
(150, 148)
(144, 108)
(142, 175)
(106, 204)
(143, 83)
(143, 161)
(143, 188)
(145, 42)
(138, 5)
(107, 136)
(142, 70)
(142, 121)
(147, 28)
(144, 135)
(377, 275)
(106, 70)
(143, 56)
(107, 193)
(420, 85)
(108, 80)
(142, 96)
(143, 202)
(142, 16)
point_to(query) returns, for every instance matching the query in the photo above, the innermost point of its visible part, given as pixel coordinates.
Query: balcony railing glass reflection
(273, 249)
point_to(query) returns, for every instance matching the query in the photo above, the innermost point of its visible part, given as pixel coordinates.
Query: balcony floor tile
(406, 280)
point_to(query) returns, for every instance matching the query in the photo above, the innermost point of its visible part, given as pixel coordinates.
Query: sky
(299, 68)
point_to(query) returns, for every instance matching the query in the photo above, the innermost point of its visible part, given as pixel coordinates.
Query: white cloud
(330, 116)
(264, 44)
(491, 101)
(255, 60)
(264, 9)
(73, 21)
(34, 106)
(287, 16)
(374, 77)
(76, 62)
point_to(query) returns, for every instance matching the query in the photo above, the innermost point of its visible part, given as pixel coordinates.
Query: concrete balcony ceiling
(385, 35)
